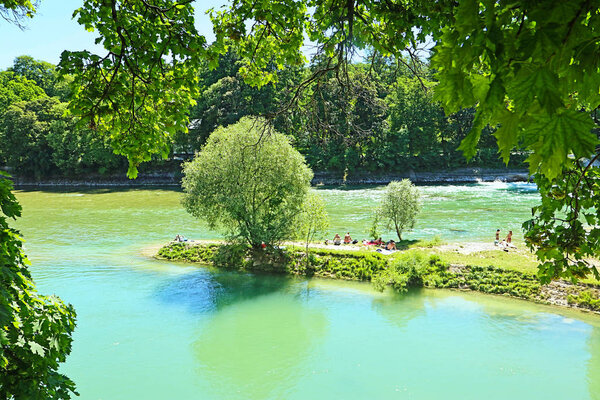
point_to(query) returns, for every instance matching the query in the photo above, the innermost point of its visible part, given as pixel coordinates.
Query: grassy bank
(414, 267)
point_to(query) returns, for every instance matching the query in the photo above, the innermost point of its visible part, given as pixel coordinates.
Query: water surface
(150, 329)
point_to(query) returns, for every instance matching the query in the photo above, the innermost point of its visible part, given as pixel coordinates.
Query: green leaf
(36, 348)
(507, 135)
(556, 136)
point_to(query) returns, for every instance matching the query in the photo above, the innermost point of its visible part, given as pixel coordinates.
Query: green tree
(400, 206)
(15, 88)
(24, 131)
(312, 220)
(35, 330)
(247, 181)
(44, 74)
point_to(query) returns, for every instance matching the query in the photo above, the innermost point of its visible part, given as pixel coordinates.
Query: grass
(513, 260)
(520, 259)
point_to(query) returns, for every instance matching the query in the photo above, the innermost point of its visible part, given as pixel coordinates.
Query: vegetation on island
(247, 182)
(401, 271)
(399, 207)
(313, 220)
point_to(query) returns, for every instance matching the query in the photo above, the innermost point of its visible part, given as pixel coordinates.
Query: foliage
(564, 232)
(40, 141)
(589, 299)
(369, 125)
(139, 93)
(312, 220)
(401, 271)
(44, 75)
(24, 130)
(404, 271)
(16, 11)
(247, 181)
(374, 231)
(35, 330)
(230, 256)
(400, 206)
(532, 69)
(15, 88)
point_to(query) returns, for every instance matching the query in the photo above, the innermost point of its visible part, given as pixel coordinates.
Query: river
(150, 329)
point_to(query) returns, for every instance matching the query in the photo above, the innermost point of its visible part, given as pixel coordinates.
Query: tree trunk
(307, 239)
(398, 232)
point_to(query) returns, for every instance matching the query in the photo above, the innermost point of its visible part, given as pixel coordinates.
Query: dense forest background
(374, 118)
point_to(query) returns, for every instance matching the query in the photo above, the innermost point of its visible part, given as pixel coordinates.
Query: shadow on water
(255, 333)
(400, 308)
(206, 290)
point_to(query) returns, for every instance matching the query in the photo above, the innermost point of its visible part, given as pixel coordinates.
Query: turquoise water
(150, 329)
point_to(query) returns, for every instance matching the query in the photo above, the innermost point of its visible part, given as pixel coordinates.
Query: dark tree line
(377, 118)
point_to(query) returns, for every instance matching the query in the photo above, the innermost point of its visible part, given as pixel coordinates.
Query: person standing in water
(497, 241)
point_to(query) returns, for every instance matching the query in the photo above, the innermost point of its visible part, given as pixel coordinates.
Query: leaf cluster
(35, 330)
(564, 232)
(140, 92)
(529, 67)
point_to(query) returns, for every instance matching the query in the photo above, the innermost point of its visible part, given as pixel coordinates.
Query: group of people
(506, 243)
(337, 240)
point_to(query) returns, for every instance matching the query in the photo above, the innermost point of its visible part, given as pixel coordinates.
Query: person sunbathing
(391, 245)
(347, 238)
(337, 240)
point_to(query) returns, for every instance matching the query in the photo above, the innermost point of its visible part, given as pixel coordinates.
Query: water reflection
(207, 290)
(255, 349)
(400, 309)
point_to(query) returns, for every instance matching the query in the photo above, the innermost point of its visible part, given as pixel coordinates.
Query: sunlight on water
(149, 329)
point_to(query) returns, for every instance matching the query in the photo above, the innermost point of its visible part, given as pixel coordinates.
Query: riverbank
(462, 175)
(485, 270)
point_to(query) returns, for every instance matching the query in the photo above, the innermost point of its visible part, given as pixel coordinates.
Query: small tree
(247, 181)
(400, 205)
(312, 220)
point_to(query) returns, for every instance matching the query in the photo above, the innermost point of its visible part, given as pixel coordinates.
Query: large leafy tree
(24, 129)
(15, 88)
(247, 181)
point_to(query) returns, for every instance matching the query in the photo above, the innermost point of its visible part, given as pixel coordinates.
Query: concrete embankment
(463, 175)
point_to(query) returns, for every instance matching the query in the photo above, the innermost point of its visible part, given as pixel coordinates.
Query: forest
(380, 118)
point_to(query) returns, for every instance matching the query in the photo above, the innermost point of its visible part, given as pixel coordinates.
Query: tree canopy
(247, 181)
(399, 207)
